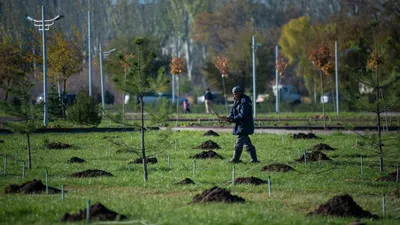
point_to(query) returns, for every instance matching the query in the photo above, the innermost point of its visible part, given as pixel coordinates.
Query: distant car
(218, 98)
(329, 97)
(287, 94)
(68, 99)
(155, 97)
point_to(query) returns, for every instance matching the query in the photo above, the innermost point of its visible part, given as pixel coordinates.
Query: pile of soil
(313, 156)
(207, 155)
(91, 173)
(249, 180)
(216, 194)
(111, 137)
(305, 136)
(342, 205)
(1, 141)
(148, 160)
(209, 145)
(185, 181)
(357, 222)
(390, 177)
(75, 159)
(30, 187)
(97, 212)
(210, 133)
(322, 146)
(57, 145)
(277, 167)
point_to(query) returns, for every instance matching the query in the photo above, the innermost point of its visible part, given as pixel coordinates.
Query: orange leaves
(222, 65)
(374, 60)
(177, 65)
(281, 64)
(322, 59)
(125, 62)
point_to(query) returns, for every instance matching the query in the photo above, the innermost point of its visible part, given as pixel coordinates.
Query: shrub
(85, 111)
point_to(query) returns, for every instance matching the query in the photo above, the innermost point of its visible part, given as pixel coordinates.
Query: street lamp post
(44, 25)
(103, 55)
(254, 47)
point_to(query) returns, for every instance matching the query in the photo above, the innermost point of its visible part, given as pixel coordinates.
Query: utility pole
(90, 53)
(276, 80)
(44, 25)
(254, 47)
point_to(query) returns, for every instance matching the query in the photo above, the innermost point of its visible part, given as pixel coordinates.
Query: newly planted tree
(222, 64)
(378, 78)
(23, 109)
(138, 81)
(322, 59)
(177, 67)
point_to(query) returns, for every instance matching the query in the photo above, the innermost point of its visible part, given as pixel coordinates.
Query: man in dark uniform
(241, 114)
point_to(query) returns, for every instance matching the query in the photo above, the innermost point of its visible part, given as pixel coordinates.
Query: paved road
(274, 130)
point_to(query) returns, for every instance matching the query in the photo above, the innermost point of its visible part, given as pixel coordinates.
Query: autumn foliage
(322, 58)
(281, 64)
(374, 61)
(222, 65)
(177, 65)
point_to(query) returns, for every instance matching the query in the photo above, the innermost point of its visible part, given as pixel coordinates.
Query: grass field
(159, 201)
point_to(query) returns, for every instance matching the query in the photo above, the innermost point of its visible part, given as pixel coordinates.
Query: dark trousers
(244, 141)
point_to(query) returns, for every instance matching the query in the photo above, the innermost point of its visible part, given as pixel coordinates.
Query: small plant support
(269, 186)
(62, 192)
(47, 182)
(194, 168)
(88, 211)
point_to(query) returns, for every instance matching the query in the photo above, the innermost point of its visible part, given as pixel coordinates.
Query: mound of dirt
(185, 181)
(97, 212)
(209, 145)
(30, 187)
(148, 160)
(207, 155)
(216, 194)
(249, 180)
(313, 156)
(1, 141)
(57, 145)
(210, 133)
(390, 177)
(344, 206)
(110, 137)
(75, 159)
(357, 222)
(91, 173)
(277, 167)
(322, 146)
(305, 136)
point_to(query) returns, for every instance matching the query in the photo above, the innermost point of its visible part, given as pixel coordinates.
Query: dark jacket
(208, 96)
(242, 115)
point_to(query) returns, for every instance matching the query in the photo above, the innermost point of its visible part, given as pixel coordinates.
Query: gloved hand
(225, 119)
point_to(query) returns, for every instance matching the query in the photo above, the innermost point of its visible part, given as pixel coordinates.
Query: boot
(253, 155)
(236, 156)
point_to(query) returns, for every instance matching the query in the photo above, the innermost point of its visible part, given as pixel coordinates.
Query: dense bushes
(85, 111)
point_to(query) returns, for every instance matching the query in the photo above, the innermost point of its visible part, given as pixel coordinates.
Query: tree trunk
(323, 102)
(378, 112)
(8, 85)
(142, 136)
(64, 107)
(28, 146)
(315, 90)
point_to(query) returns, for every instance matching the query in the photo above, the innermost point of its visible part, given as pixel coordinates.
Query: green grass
(159, 201)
